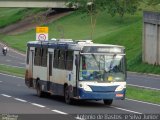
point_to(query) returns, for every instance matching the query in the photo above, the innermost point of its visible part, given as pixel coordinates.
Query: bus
(80, 70)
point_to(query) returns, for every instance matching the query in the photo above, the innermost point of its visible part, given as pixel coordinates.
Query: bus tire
(67, 98)
(39, 91)
(107, 102)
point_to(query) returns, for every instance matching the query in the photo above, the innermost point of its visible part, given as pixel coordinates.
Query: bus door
(30, 60)
(50, 66)
(76, 64)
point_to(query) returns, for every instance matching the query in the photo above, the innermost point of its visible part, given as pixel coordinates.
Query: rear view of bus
(102, 73)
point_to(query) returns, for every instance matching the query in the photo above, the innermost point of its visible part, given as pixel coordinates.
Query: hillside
(109, 30)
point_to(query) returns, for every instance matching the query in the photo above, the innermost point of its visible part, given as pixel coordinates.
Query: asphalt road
(142, 80)
(16, 98)
(12, 58)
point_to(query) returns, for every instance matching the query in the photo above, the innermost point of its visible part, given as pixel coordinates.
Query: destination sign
(102, 49)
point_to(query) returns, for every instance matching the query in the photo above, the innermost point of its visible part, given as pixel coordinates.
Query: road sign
(42, 33)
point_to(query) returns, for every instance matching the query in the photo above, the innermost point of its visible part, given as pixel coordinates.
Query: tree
(90, 7)
(153, 2)
(122, 7)
(113, 7)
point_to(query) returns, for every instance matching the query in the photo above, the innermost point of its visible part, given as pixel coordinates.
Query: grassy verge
(109, 30)
(12, 70)
(9, 16)
(142, 94)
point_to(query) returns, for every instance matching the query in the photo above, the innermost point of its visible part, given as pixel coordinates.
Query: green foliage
(112, 7)
(153, 2)
(122, 7)
(94, 7)
(12, 15)
(109, 30)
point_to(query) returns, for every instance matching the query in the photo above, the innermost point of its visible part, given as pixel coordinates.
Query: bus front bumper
(117, 95)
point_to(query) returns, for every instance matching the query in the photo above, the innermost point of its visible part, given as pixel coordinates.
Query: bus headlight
(87, 88)
(119, 88)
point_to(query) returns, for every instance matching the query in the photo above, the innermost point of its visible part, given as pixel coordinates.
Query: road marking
(11, 76)
(142, 102)
(35, 104)
(6, 95)
(0, 81)
(126, 110)
(144, 87)
(20, 100)
(60, 112)
(12, 66)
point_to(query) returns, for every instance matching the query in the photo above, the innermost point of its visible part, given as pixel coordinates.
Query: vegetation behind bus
(112, 30)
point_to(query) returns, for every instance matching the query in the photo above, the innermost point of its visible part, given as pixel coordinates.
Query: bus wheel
(107, 102)
(39, 91)
(67, 96)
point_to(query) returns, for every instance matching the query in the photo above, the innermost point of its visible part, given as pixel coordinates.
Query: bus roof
(68, 44)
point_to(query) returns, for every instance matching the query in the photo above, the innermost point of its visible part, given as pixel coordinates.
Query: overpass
(34, 3)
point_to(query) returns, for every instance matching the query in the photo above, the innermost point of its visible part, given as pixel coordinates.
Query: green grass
(141, 94)
(109, 30)
(12, 70)
(12, 15)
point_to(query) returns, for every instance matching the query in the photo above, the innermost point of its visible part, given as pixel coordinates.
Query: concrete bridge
(34, 3)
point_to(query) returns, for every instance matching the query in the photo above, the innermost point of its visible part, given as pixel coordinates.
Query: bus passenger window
(69, 60)
(62, 59)
(37, 57)
(56, 58)
(44, 57)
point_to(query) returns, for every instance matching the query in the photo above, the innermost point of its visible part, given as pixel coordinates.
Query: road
(12, 58)
(142, 80)
(16, 98)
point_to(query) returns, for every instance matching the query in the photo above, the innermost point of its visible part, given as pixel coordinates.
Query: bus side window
(62, 59)
(55, 62)
(44, 57)
(37, 57)
(69, 60)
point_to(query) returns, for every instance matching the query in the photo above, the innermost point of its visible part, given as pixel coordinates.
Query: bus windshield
(104, 68)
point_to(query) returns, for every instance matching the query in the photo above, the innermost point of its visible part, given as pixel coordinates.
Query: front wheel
(107, 102)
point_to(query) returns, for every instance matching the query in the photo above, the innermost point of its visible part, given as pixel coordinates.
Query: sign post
(42, 33)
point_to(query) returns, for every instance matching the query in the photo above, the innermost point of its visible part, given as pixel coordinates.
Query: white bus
(76, 70)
